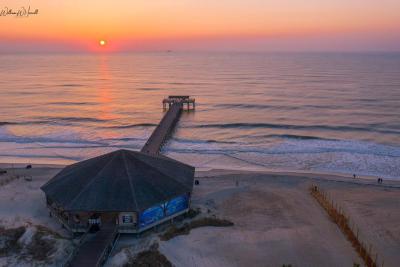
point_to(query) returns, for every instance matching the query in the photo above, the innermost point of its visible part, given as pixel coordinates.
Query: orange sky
(187, 24)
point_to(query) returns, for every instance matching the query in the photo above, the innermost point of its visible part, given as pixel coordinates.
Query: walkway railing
(108, 250)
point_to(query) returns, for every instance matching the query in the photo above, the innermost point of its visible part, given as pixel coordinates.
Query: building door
(94, 223)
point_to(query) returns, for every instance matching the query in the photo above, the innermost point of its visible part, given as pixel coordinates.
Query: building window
(126, 218)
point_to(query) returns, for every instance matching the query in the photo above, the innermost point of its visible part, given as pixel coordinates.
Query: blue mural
(151, 215)
(156, 213)
(176, 205)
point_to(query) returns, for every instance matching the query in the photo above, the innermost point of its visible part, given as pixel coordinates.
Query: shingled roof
(122, 180)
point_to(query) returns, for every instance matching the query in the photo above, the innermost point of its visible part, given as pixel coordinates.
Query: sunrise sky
(248, 25)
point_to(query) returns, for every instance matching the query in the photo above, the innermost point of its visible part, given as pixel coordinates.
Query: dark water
(310, 112)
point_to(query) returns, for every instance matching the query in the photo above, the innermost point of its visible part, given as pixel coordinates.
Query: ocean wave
(277, 107)
(72, 119)
(148, 89)
(189, 83)
(346, 162)
(294, 136)
(290, 146)
(220, 142)
(126, 139)
(66, 103)
(35, 156)
(132, 126)
(65, 121)
(36, 139)
(336, 146)
(245, 125)
(69, 138)
(245, 106)
(197, 141)
(71, 85)
(5, 123)
(136, 146)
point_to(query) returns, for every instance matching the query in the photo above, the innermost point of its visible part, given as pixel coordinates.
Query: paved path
(163, 129)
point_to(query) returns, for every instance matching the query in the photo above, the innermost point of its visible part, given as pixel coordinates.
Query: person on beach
(354, 176)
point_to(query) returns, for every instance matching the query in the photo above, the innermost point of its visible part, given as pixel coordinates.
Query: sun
(102, 42)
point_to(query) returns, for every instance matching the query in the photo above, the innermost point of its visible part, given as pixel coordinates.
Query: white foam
(345, 156)
(362, 158)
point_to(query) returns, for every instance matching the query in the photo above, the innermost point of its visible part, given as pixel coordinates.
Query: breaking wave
(132, 126)
(69, 138)
(54, 121)
(243, 125)
(293, 136)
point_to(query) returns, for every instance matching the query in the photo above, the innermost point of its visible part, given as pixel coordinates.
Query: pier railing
(183, 100)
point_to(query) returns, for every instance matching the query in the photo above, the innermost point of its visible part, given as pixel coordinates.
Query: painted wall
(158, 212)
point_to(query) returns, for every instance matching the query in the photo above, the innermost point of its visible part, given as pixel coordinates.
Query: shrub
(174, 231)
(192, 213)
(41, 247)
(149, 258)
(9, 240)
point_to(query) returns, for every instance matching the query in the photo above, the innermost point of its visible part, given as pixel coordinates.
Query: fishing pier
(167, 124)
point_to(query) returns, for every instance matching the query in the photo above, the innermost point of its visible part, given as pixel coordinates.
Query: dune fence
(351, 231)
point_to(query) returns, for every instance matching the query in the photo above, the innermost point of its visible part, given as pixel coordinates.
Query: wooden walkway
(163, 129)
(96, 249)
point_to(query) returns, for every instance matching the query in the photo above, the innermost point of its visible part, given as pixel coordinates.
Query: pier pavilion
(181, 99)
(134, 190)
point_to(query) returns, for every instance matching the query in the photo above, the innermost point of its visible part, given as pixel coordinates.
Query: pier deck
(167, 123)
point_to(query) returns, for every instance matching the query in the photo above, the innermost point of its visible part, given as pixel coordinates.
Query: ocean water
(304, 112)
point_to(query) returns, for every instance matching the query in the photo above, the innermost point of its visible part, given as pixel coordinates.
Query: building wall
(159, 212)
(128, 222)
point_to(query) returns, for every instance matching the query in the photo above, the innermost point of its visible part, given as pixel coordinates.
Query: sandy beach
(276, 221)
(200, 133)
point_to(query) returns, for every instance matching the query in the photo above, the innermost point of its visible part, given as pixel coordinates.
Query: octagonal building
(133, 190)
